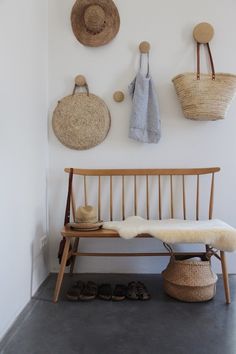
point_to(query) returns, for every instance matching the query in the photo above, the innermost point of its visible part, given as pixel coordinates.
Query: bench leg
(75, 249)
(61, 271)
(225, 277)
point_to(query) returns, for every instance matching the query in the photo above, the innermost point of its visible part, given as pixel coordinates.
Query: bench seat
(101, 233)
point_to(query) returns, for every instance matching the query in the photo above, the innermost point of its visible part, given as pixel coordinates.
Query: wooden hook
(80, 80)
(203, 32)
(118, 96)
(144, 47)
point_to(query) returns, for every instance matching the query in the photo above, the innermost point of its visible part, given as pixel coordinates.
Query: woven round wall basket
(205, 96)
(191, 281)
(81, 120)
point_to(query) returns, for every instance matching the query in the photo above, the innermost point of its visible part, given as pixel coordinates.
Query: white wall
(23, 151)
(168, 26)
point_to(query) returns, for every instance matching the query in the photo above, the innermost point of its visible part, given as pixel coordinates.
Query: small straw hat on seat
(86, 214)
(95, 22)
(86, 219)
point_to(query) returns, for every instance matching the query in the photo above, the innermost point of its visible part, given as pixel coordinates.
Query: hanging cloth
(145, 124)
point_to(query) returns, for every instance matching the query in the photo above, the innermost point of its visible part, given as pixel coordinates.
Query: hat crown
(94, 18)
(86, 213)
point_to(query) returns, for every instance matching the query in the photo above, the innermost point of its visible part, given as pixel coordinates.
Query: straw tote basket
(81, 120)
(191, 281)
(205, 96)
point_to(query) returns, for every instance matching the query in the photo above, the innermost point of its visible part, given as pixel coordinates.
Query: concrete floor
(159, 326)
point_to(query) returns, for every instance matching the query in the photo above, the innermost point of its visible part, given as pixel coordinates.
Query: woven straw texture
(100, 27)
(191, 281)
(205, 99)
(81, 121)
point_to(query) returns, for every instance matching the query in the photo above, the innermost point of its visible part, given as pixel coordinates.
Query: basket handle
(208, 254)
(211, 252)
(169, 248)
(80, 81)
(211, 60)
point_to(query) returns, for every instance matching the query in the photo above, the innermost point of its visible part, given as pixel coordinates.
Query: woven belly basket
(189, 281)
(205, 96)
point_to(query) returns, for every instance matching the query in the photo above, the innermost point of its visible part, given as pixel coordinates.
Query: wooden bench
(163, 177)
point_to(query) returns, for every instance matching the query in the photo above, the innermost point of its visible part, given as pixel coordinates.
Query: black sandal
(132, 292)
(105, 292)
(89, 292)
(119, 293)
(143, 293)
(74, 292)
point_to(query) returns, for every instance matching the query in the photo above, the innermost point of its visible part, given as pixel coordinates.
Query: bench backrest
(159, 187)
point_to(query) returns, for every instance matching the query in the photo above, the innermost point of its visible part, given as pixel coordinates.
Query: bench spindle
(211, 196)
(147, 196)
(111, 200)
(159, 196)
(171, 198)
(123, 198)
(85, 191)
(135, 195)
(184, 198)
(197, 199)
(99, 197)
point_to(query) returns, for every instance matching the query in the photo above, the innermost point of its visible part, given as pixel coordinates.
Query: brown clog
(105, 292)
(74, 292)
(119, 293)
(143, 293)
(89, 292)
(132, 292)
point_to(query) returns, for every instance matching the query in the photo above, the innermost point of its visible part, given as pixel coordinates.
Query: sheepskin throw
(215, 233)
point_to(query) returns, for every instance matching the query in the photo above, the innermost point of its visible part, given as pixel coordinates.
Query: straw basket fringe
(189, 281)
(205, 99)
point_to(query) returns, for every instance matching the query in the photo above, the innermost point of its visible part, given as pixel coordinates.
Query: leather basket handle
(210, 57)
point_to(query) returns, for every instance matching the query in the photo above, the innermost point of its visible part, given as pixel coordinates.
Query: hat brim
(85, 226)
(107, 34)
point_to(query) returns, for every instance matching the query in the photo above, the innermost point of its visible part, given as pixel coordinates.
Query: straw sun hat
(95, 22)
(86, 218)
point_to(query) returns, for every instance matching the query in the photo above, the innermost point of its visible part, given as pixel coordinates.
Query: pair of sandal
(137, 291)
(81, 291)
(105, 292)
(134, 291)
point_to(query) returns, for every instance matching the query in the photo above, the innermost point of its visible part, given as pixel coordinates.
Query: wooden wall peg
(80, 80)
(118, 96)
(144, 47)
(203, 32)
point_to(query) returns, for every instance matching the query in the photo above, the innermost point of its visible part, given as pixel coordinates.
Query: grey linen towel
(145, 124)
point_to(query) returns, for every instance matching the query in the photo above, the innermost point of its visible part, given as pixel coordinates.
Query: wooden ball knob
(203, 32)
(119, 96)
(80, 80)
(144, 47)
